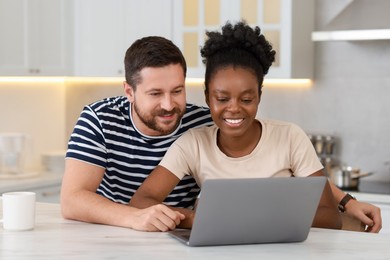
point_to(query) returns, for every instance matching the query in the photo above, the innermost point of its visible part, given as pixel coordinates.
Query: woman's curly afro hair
(237, 45)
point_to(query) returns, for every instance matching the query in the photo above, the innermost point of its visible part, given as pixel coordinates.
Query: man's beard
(151, 122)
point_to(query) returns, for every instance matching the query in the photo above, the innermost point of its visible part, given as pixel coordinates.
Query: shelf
(351, 35)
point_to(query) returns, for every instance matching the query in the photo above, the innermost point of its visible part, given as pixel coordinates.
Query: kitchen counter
(30, 181)
(55, 237)
(371, 197)
(377, 187)
(46, 185)
(373, 192)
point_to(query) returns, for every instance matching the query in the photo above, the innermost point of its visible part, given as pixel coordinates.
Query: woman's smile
(233, 121)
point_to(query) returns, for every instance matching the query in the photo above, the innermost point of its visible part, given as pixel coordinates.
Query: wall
(349, 98)
(37, 110)
(78, 94)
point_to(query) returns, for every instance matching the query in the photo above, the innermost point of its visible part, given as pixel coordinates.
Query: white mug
(18, 210)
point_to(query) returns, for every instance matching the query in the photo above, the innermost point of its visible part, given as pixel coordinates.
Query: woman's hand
(368, 214)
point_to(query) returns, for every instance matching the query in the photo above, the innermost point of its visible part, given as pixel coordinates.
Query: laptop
(253, 211)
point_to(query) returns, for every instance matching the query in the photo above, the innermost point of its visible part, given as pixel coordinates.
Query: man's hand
(156, 218)
(367, 213)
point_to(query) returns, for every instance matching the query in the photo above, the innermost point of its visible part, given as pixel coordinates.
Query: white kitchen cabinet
(287, 24)
(35, 37)
(105, 29)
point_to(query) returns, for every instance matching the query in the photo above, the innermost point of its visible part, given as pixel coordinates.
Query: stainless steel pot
(347, 177)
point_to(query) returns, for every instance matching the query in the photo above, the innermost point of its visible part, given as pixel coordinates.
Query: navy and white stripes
(104, 135)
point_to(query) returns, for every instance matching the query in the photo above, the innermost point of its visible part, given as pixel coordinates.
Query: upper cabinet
(99, 37)
(287, 24)
(75, 37)
(35, 37)
(105, 29)
(90, 37)
(350, 20)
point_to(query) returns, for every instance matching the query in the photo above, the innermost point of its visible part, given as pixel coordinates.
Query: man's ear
(129, 91)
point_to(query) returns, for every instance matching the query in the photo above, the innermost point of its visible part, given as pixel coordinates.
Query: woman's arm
(368, 214)
(155, 189)
(327, 215)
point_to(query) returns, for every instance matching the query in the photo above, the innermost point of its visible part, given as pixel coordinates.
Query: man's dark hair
(152, 51)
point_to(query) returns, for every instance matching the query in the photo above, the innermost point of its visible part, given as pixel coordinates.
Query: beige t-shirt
(283, 150)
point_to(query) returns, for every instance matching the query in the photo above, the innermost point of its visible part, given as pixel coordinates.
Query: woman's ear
(260, 96)
(260, 92)
(129, 91)
(206, 97)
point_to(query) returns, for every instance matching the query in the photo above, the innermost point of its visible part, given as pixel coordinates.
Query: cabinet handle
(34, 71)
(50, 193)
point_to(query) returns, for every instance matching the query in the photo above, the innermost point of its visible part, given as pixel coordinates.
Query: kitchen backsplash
(348, 100)
(347, 109)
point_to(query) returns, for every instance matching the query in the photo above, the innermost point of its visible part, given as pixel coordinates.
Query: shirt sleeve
(304, 159)
(182, 157)
(87, 141)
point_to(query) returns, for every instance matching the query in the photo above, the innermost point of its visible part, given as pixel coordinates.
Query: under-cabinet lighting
(195, 81)
(351, 35)
(89, 80)
(119, 80)
(267, 82)
(32, 79)
(293, 83)
(61, 79)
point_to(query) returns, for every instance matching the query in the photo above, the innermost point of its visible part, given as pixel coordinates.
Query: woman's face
(233, 97)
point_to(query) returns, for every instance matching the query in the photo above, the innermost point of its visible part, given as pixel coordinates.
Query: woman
(238, 145)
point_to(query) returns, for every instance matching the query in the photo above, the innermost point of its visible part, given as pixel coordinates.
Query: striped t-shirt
(105, 136)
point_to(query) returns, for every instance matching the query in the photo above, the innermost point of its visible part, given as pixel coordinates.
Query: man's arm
(327, 215)
(155, 189)
(79, 201)
(368, 214)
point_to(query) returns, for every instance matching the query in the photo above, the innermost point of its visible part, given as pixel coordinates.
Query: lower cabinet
(47, 186)
(48, 194)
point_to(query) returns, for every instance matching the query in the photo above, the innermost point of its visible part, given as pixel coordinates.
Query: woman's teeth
(234, 121)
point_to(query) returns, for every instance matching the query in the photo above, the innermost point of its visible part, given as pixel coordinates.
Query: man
(118, 141)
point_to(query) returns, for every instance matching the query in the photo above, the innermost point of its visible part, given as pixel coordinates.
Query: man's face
(159, 101)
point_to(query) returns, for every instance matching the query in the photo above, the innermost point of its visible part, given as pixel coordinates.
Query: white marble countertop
(54, 237)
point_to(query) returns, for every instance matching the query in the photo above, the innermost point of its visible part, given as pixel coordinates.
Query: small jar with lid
(329, 145)
(319, 144)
